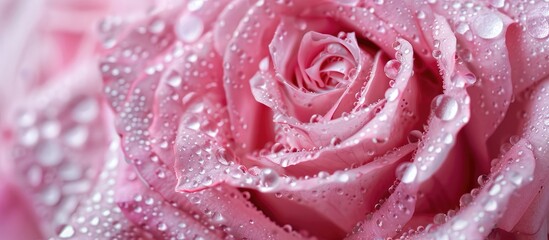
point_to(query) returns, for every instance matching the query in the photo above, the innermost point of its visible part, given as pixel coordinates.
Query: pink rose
(292, 119)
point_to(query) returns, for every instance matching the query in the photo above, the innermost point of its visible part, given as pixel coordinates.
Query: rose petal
(482, 40)
(523, 39)
(516, 167)
(372, 137)
(54, 146)
(303, 135)
(17, 220)
(449, 113)
(529, 211)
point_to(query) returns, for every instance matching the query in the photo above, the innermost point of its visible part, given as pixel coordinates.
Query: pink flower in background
(288, 119)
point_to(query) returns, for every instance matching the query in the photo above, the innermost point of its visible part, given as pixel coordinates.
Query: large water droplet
(488, 25)
(189, 28)
(392, 68)
(268, 179)
(51, 195)
(76, 136)
(445, 107)
(537, 24)
(195, 5)
(86, 111)
(174, 79)
(51, 129)
(459, 224)
(410, 173)
(491, 205)
(67, 231)
(391, 94)
(157, 26)
(494, 190)
(49, 153)
(497, 3)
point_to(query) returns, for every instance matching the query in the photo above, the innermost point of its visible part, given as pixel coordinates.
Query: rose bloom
(274, 119)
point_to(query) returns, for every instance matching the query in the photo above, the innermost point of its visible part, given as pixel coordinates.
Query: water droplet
(218, 218)
(515, 178)
(420, 14)
(26, 119)
(488, 25)
(335, 141)
(491, 205)
(414, 136)
(189, 28)
(49, 153)
(76, 136)
(409, 173)
(29, 137)
(174, 79)
(396, 45)
(391, 94)
(264, 64)
(51, 129)
(343, 177)
(494, 190)
(437, 53)
(162, 226)
(86, 110)
(195, 5)
(462, 27)
(448, 139)
(157, 26)
(497, 3)
(445, 107)
(459, 224)
(67, 231)
(537, 24)
(51, 195)
(465, 199)
(392, 68)
(268, 179)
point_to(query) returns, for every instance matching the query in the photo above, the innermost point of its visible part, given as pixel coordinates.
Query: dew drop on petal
(491, 205)
(392, 68)
(488, 25)
(459, 224)
(195, 5)
(189, 28)
(157, 26)
(445, 107)
(264, 64)
(391, 94)
(86, 110)
(174, 79)
(497, 3)
(268, 178)
(410, 173)
(414, 136)
(494, 190)
(67, 231)
(537, 25)
(49, 153)
(335, 141)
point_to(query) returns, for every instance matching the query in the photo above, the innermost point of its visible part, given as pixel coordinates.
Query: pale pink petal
(483, 50)
(525, 41)
(527, 118)
(18, 221)
(58, 145)
(476, 221)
